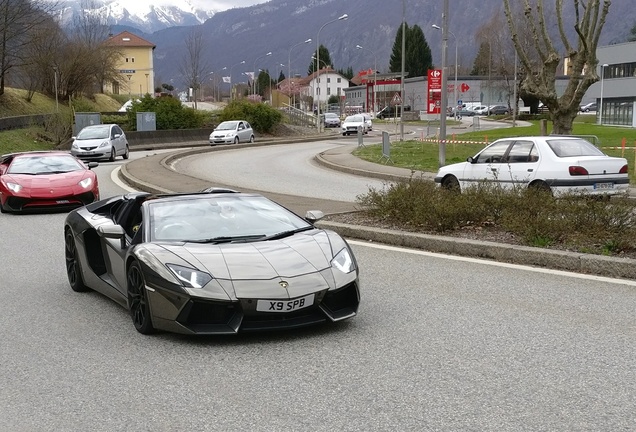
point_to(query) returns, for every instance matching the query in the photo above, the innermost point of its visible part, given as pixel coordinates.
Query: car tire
(451, 183)
(236, 140)
(113, 155)
(344, 134)
(126, 154)
(138, 305)
(252, 139)
(540, 186)
(73, 266)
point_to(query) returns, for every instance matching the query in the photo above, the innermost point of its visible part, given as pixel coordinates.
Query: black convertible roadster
(215, 262)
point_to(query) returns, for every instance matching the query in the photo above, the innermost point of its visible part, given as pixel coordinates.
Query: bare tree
(18, 18)
(540, 76)
(193, 66)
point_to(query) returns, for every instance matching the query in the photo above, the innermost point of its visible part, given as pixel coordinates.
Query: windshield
(573, 147)
(94, 132)
(214, 218)
(45, 164)
(228, 125)
(354, 119)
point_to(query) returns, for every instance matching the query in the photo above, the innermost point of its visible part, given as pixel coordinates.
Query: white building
(325, 83)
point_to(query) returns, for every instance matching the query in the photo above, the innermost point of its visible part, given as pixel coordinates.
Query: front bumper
(61, 203)
(92, 154)
(203, 316)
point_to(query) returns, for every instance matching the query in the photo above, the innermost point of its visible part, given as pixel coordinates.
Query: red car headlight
(13, 187)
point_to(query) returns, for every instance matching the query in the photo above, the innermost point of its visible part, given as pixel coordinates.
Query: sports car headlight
(343, 261)
(190, 278)
(86, 183)
(104, 144)
(14, 187)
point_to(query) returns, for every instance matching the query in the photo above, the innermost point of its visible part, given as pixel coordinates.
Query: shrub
(262, 117)
(535, 217)
(170, 113)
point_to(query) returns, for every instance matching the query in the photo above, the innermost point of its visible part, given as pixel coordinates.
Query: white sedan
(558, 163)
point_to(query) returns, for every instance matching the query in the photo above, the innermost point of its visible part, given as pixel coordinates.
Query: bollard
(623, 142)
(360, 134)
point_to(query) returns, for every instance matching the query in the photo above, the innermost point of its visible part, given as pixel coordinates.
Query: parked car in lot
(105, 141)
(332, 120)
(498, 110)
(391, 111)
(234, 131)
(560, 164)
(351, 124)
(588, 107)
(42, 180)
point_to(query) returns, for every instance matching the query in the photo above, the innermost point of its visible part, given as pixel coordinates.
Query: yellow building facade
(135, 65)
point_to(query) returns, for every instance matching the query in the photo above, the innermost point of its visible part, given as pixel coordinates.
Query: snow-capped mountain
(143, 15)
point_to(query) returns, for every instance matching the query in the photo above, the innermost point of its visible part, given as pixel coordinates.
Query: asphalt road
(441, 343)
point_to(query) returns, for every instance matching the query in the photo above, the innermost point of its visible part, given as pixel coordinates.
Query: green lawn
(424, 156)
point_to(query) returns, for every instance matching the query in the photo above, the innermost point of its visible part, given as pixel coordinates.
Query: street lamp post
(232, 67)
(218, 83)
(402, 73)
(600, 107)
(340, 18)
(375, 71)
(289, 77)
(254, 71)
(455, 92)
(442, 120)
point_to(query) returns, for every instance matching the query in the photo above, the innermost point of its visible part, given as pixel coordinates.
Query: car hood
(249, 270)
(81, 143)
(49, 185)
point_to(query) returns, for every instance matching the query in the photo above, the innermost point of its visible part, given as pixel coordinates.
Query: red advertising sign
(434, 105)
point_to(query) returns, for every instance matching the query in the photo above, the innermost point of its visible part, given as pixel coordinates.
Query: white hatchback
(352, 123)
(557, 163)
(234, 131)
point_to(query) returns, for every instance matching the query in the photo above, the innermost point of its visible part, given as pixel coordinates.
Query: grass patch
(19, 140)
(535, 218)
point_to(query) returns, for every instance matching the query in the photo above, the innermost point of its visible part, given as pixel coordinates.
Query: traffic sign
(460, 102)
(397, 100)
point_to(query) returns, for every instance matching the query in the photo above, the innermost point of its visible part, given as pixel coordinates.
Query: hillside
(14, 103)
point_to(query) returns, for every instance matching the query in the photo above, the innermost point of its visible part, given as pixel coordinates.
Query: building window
(127, 60)
(328, 90)
(339, 80)
(328, 80)
(132, 59)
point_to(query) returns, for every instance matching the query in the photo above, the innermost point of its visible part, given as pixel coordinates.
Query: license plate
(285, 305)
(62, 201)
(603, 185)
(88, 153)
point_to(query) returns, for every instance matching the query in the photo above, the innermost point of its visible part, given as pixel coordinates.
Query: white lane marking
(114, 176)
(495, 263)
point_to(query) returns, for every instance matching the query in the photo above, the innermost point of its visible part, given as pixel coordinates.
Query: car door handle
(530, 169)
(494, 169)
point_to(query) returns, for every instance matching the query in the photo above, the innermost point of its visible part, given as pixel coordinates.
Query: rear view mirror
(92, 165)
(113, 232)
(470, 159)
(314, 215)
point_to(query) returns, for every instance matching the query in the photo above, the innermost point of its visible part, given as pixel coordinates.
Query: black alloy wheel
(73, 267)
(138, 300)
(113, 155)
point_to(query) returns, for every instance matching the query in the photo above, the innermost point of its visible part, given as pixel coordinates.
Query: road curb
(523, 255)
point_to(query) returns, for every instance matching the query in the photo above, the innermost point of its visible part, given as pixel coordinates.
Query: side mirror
(314, 216)
(470, 159)
(92, 165)
(113, 232)
(116, 136)
(73, 137)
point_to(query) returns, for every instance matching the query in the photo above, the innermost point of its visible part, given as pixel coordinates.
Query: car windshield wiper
(284, 234)
(228, 239)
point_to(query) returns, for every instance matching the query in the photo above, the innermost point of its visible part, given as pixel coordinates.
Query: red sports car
(45, 180)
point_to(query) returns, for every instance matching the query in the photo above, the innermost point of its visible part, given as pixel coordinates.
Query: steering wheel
(176, 231)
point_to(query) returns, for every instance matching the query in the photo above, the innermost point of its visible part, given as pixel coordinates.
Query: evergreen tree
(482, 60)
(418, 58)
(281, 76)
(325, 60)
(263, 82)
(632, 34)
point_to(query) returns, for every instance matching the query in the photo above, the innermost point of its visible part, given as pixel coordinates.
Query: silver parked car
(234, 131)
(332, 120)
(105, 141)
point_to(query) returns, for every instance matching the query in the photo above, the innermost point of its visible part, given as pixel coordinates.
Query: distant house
(324, 83)
(136, 66)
